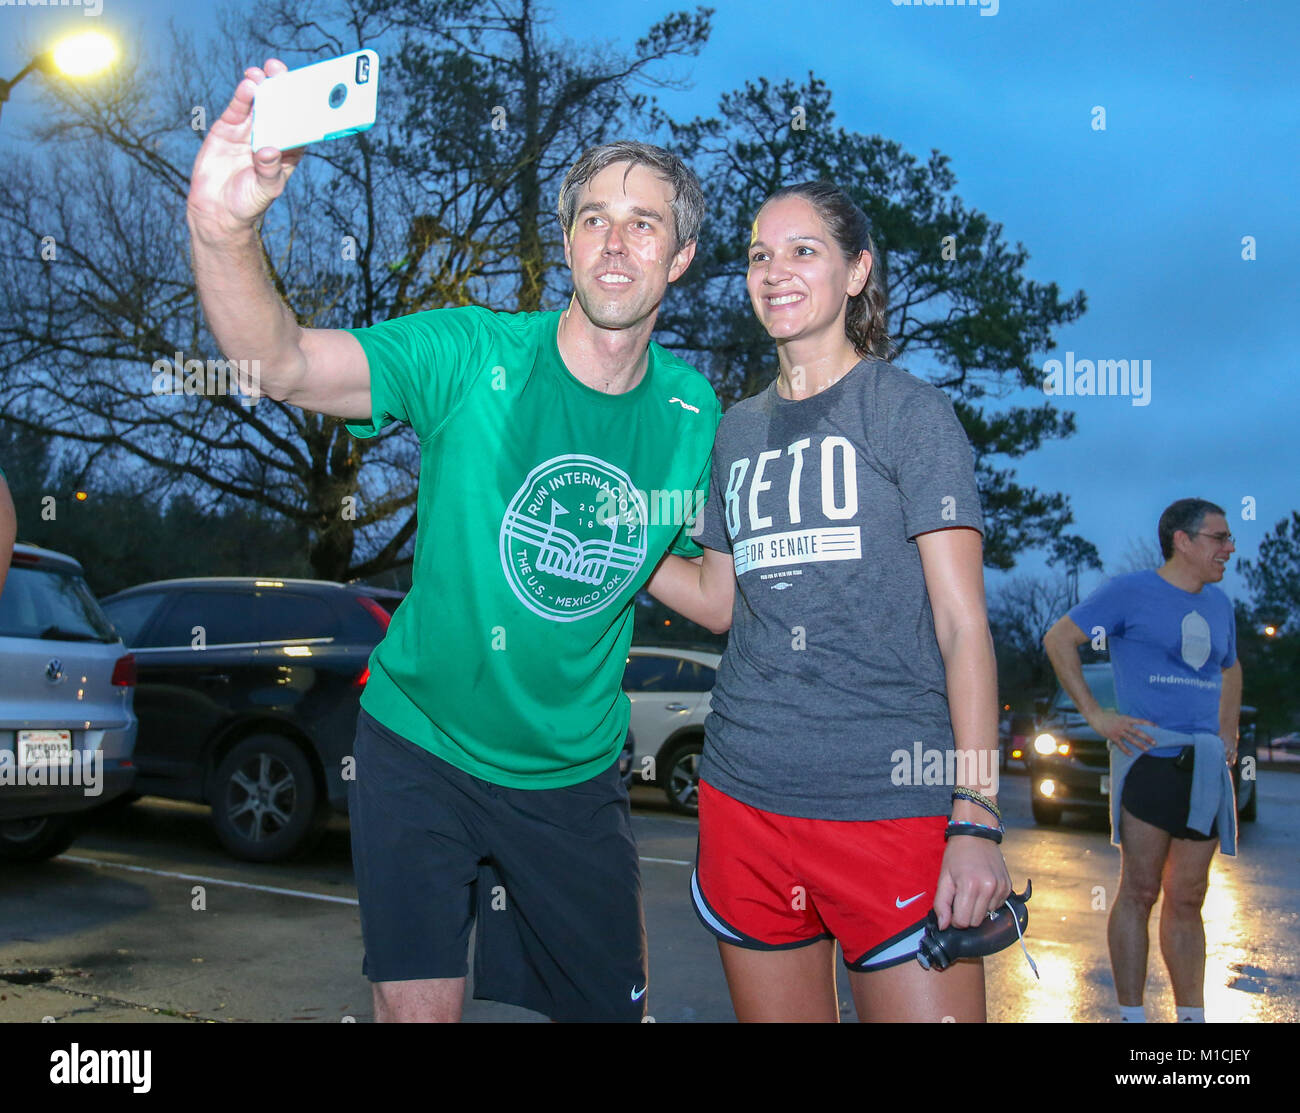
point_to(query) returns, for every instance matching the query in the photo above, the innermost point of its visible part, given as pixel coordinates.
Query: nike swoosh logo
(685, 406)
(904, 903)
(637, 994)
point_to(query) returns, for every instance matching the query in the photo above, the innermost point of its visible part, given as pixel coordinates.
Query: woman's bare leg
(797, 985)
(910, 993)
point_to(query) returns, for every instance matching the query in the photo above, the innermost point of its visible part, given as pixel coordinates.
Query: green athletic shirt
(507, 657)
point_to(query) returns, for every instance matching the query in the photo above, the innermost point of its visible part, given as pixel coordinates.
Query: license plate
(45, 747)
(1105, 784)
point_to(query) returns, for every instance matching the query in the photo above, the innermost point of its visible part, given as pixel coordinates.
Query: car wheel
(1046, 815)
(35, 839)
(681, 777)
(265, 804)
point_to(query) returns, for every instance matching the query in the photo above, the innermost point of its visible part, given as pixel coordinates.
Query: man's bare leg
(424, 1000)
(1143, 848)
(1182, 932)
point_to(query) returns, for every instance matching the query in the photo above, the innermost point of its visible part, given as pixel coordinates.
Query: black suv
(1069, 763)
(247, 695)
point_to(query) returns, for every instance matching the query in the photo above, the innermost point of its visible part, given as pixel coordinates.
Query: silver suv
(67, 726)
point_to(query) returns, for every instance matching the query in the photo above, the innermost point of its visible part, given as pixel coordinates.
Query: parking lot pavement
(146, 920)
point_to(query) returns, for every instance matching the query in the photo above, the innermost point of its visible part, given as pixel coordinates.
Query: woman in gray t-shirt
(843, 506)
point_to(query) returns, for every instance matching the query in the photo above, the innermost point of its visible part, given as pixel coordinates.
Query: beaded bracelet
(976, 798)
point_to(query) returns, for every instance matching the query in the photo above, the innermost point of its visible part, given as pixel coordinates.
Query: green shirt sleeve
(685, 543)
(421, 367)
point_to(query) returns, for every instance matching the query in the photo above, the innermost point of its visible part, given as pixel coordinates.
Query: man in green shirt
(562, 455)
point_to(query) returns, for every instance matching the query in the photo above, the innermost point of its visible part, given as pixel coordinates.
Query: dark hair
(866, 321)
(688, 198)
(1187, 515)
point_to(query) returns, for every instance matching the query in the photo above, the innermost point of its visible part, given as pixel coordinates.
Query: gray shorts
(550, 875)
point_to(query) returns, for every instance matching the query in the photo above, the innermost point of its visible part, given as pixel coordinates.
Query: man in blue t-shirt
(1173, 649)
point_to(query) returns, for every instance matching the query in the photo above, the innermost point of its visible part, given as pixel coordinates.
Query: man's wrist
(217, 235)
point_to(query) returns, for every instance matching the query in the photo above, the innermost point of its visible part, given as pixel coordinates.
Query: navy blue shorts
(551, 876)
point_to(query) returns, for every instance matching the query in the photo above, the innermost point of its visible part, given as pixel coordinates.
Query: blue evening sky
(1147, 216)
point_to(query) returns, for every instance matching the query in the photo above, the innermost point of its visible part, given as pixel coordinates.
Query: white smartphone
(325, 100)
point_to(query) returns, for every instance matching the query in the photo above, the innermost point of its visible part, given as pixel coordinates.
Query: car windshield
(51, 604)
(1101, 682)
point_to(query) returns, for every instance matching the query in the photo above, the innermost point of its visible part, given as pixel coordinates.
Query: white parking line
(211, 880)
(262, 888)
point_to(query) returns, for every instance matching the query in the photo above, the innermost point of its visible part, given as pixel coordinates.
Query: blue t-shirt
(1168, 649)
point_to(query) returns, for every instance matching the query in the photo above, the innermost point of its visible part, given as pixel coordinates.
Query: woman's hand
(973, 882)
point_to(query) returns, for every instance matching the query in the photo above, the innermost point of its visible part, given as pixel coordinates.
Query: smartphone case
(325, 100)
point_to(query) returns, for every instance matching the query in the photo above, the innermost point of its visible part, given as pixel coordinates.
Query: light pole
(81, 55)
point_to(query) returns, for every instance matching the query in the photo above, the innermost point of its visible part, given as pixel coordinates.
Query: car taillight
(362, 677)
(376, 611)
(124, 671)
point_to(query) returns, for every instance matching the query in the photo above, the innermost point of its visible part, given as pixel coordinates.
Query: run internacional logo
(564, 553)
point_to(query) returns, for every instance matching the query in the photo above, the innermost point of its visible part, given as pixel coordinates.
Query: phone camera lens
(338, 95)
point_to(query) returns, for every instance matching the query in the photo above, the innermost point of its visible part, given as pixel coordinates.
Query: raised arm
(324, 370)
(702, 589)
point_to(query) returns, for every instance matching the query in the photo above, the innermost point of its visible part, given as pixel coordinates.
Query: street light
(81, 55)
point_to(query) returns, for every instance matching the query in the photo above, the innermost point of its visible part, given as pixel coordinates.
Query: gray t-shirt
(832, 669)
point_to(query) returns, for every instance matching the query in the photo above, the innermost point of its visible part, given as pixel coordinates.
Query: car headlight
(1047, 788)
(1063, 748)
(1045, 744)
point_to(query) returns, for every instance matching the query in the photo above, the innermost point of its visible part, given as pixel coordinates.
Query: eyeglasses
(1221, 538)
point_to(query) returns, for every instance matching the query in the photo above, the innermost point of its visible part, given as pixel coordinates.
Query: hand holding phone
(326, 100)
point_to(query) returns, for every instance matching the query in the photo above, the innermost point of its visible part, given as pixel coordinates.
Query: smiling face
(799, 281)
(1208, 550)
(622, 247)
